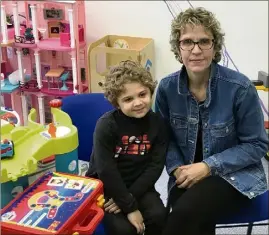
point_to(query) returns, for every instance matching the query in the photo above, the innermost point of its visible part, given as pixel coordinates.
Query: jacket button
(232, 178)
(251, 193)
(205, 124)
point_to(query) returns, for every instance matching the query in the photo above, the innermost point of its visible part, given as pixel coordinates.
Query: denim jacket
(234, 137)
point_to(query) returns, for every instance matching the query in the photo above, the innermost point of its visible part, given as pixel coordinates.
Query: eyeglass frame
(194, 43)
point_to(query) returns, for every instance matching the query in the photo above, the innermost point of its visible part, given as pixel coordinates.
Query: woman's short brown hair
(196, 16)
(125, 72)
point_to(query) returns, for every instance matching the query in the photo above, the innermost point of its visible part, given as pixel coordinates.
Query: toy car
(7, 149)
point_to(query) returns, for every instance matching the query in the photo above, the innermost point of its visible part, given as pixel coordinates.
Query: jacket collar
(183, 88)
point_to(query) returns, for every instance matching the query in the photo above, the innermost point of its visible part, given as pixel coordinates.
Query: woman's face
(196, 59)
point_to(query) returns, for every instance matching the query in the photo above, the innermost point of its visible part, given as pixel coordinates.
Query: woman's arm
(253, 140)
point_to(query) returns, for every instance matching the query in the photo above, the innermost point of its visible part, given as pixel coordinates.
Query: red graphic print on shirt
(133, 145)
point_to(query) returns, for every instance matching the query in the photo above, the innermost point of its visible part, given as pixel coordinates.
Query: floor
(258, 230)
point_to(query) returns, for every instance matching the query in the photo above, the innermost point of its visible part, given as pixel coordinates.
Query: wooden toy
(117, 48)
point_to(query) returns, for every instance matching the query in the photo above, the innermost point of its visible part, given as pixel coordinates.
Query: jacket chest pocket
(223, 136)
(180, 129)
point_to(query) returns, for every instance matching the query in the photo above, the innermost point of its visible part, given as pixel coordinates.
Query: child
(129, 150)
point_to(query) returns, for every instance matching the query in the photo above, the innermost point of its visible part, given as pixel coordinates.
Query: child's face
(135, 100)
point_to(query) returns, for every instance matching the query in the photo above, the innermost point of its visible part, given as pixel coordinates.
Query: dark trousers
(195, 211)
(152, 210)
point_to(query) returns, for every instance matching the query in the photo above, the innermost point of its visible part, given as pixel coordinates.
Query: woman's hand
(188, 175)
(111, 207)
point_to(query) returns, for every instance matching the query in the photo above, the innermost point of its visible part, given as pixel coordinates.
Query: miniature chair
(256, 212)
(63, 78)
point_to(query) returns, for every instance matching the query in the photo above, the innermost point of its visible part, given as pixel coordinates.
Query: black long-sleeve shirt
(128, 155)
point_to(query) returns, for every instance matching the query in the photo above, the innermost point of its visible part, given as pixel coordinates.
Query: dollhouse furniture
(117, 48)
(65, 37)
(54, 73)
(53, 32)
(63, 78)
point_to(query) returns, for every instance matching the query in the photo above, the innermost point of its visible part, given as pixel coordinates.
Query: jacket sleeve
(253, 140)
(104, 140)
(153, 171)
(174, 156)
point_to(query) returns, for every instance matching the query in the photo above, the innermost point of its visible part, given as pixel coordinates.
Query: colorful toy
(52, 130)
(56, 203)
(2, 80)
(14, 77)
(27, 38)
(9, 116)
(35, 143)
(7, 149)
(46, 39)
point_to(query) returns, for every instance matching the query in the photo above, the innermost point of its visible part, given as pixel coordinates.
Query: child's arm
(104, 143)
(152, 173)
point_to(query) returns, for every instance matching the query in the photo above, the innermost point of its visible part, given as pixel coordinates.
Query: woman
(217, 130)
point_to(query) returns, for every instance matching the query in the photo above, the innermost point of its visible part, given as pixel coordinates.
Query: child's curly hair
(196, 16)
(125, 72)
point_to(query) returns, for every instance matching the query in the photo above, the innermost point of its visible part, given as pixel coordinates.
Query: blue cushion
(255, 212)
(85, 110)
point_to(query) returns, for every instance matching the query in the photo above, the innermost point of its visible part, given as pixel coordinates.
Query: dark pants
(152, 210)
(195, 211)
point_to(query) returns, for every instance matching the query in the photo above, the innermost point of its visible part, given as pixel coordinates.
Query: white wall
(245, 24)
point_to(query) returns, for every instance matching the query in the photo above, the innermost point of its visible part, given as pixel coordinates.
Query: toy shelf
(112, 49)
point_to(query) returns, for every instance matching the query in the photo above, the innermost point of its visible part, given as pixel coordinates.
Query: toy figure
(7, 149)
(2, 80)
(29, 35)
(52, 130)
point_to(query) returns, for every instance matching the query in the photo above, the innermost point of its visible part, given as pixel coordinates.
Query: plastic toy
(56, 203)
(2, 80)
(34, 143)
(14, 77)
(63, 78)
(9, 116)
(7, 149)
(48, 41)
(52, 130)
(55, 103)
(27, 38)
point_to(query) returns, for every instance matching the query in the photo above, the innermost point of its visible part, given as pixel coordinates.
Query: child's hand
(112, 207)
(136, 220)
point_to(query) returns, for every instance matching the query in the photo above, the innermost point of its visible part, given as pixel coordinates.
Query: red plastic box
(56, 203)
